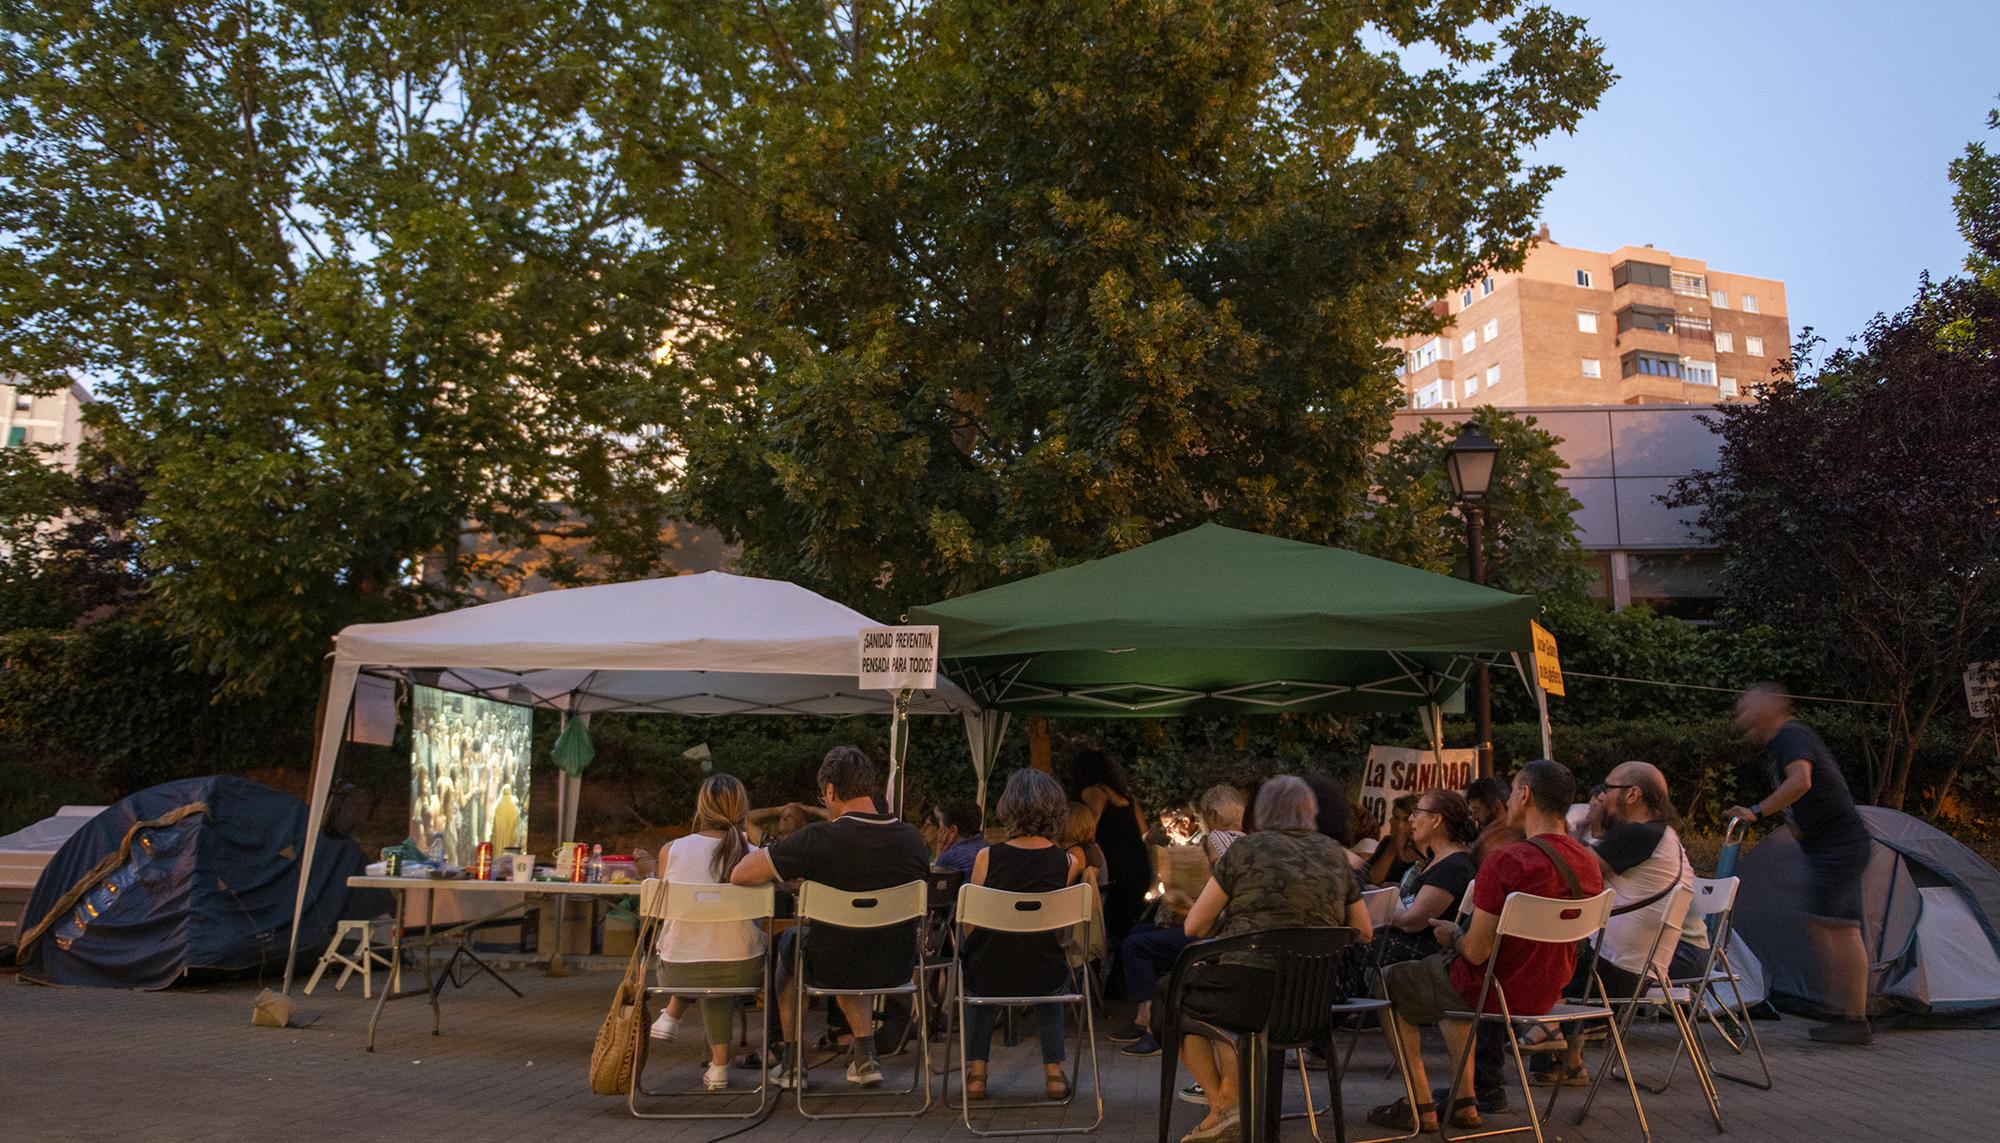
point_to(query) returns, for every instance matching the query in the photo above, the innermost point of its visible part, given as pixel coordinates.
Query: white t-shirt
(689, 861)
(1645, 858)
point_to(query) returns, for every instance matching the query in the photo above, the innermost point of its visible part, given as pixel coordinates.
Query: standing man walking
(1814, 796)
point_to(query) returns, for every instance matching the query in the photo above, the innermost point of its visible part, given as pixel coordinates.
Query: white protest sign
(1394, 771)
(899, 658)
(372, 720)
(1982, 689)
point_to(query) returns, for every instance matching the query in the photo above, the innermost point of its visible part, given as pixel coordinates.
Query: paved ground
(187, 1064)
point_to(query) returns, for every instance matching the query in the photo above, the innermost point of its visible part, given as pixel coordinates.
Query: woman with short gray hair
(1285, 875)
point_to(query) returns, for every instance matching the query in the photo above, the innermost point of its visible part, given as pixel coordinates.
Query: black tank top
(1131, 867)
(1019, 964)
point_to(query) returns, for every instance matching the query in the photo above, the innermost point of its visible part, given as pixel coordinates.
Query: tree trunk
(1041, 752)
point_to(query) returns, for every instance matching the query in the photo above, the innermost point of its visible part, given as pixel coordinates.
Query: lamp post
(1470, 463)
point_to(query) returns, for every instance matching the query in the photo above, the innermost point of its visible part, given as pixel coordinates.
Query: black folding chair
(1304, 966)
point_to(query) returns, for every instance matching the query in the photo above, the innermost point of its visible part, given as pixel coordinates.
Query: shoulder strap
(1562, 867)
(1680, 861)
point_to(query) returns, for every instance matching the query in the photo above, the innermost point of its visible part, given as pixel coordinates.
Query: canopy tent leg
(1528, 680)
(899, 748)
(332, 727)
(984, 731)
(1433, 716)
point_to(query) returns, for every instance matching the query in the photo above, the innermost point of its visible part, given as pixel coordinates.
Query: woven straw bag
(621, 1040)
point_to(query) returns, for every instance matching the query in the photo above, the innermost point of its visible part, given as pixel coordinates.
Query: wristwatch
(1757, 812)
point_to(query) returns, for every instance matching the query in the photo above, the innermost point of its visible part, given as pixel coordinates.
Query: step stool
(362, 959)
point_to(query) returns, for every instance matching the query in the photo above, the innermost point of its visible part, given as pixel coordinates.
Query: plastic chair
(1525, 917)
(1715, 903)
(1305, 968)
(1679, 1002)
(363, 959)
(903, 904)
(1061, 911)
(678, 901)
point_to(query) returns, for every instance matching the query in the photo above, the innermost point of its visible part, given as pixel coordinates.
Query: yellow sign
(1548, 668)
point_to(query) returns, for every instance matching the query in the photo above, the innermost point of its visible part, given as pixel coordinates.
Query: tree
(1858, 510)
(1977, 201)
(352, 281)
(988, 287)
(1413, 517)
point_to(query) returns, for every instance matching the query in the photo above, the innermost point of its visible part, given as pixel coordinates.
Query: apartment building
(43, 419)
(1636, 326)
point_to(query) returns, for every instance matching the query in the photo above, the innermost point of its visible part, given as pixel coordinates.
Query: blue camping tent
(196, 874)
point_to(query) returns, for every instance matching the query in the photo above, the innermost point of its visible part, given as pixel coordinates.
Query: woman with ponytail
(1442, 828)
(701, 954)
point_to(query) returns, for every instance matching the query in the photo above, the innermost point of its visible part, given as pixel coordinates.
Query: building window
(1491, 329)
(1586, 321)
(23, 403)
(17, 436)
(1583, 278)
(1690, 285)
(1719, 299)
(1429, 353)
(1485, 286)
(1472, 385)
(1641, 274)
(1727, 385)
(1432, 396)
(1754, 346)
(1698, 372)
(1468, 343)
(1647, 318)
(1725, 343)
(1465, 299)
(1639, 363)
(1750, 303)
(1492, 376)
(1592, 368)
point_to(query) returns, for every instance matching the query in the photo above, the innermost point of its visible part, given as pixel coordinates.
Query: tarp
(1929, 912)
(701, 645)
(213, 891)
(1219, 620)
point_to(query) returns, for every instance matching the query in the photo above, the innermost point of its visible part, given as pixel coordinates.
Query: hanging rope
(1569, 674)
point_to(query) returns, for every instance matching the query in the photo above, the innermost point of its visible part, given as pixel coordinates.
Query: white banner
(372, 722)
(1396, 770)
(899, 658)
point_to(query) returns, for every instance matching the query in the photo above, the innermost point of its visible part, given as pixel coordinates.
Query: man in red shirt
(1532, 973)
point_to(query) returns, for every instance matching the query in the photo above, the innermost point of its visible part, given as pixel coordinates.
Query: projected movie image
(469, 772)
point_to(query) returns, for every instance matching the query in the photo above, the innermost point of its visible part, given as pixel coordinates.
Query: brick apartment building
(1637, 326)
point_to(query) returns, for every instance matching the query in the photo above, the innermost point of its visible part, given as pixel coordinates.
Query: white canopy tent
(701, 645)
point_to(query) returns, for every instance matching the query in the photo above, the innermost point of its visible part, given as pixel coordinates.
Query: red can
(579, 870)
(482, 866)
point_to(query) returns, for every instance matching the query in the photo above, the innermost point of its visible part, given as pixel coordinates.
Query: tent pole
(899, 748)
(334, 702)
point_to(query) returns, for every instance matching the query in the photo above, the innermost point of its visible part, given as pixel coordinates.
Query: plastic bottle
(437, 851)
(597, 864)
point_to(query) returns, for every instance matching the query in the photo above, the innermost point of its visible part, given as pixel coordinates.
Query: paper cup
(524, 867)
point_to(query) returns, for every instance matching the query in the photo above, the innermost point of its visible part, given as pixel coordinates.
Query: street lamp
(1470, 463)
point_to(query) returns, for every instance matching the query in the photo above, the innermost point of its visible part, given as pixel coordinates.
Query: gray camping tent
(1931, 923)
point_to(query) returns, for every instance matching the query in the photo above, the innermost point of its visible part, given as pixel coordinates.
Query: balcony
(1689, 285)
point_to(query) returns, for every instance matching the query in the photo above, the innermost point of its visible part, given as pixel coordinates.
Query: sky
(1805, 142)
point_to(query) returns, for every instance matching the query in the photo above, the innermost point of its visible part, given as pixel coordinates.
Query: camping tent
(701, 645)
(1931, 922)
(1216, 620)
(25, 853)
(212, 886)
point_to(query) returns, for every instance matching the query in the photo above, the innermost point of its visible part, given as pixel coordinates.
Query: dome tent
(1930, 922)
(191, 875)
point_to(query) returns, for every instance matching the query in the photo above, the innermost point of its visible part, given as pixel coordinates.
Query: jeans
(980, 1019)
(1148, 952)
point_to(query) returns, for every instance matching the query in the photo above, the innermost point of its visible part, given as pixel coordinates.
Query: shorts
(1836, 874)
(1421, 991)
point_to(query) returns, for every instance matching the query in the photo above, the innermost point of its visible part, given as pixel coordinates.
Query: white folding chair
(677, 902)
(871, 909)
(999, 911)
(1547, 920)
(1678, 1001)
(363, 959)
(1715, 902)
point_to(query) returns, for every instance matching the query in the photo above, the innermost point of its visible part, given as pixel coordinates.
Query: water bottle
(597, 864)
(437, 851)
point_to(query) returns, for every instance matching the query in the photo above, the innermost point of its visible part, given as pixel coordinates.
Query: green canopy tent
(1217, 620)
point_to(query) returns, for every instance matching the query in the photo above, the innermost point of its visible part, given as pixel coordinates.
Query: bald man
(1813, 794)
(1629, 829)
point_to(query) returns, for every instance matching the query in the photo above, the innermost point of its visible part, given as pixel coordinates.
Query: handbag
(620, 1049)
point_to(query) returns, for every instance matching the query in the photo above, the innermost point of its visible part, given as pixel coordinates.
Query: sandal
(1398, 1115)
(1465, 1113)
(975, 1085)
(1541, 1038)
(1055, 1086)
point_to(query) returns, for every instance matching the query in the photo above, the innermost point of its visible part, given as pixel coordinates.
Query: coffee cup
(524, 867)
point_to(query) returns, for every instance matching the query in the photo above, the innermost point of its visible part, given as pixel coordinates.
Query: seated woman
(1442, 828)
(1080, 838)
(1285, 875)
(709, 954)
(1032, 810)
(1151, 948)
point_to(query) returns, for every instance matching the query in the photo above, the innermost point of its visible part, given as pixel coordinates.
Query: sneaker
(665, 1027)
(783, 1076)
(1143, 1046)
(1127, 1034)
(1853, 1032)
(864, 1071)
(1226, 1130)
(1192, 1093)
(715, 1077)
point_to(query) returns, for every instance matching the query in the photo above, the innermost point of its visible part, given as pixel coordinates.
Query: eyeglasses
(1425, 810)
(1601, 787)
